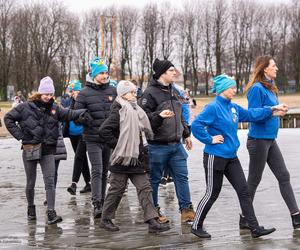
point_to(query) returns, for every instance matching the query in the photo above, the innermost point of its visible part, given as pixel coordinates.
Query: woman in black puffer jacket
(125, 131)
(36, 123)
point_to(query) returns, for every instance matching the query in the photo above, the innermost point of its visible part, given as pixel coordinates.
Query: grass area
(5, 104)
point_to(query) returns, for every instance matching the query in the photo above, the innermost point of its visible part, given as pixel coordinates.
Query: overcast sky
(83, 5)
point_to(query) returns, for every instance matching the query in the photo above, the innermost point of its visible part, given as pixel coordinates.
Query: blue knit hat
(74, 85)
(221, 83)
(97, 66)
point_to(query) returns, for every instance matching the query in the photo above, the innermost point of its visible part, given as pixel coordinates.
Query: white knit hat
(46, 86)
(124, 87)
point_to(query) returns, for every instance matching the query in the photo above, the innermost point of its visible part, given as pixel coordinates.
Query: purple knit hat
(46, 86)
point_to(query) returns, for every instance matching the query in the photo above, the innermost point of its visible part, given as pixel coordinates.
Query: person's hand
(217, 139)
(281, 107)
(86, 119)
(278, 113)
(188, 143)
(166, 113)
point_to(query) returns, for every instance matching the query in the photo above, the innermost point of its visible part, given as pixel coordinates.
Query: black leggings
(262, 151)
(215, 168)
(80, 160)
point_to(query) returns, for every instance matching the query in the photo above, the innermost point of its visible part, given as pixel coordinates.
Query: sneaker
(243, 223)
(97, 209)
(72, 189)
(161, 217)
(87, 188)
(187, 214)
(31, 214)
(163, 181)
(155, 226)
(53, 218)
(296, 220)
(109, 225)
(201, 233)
(169, 180)
(261, 231)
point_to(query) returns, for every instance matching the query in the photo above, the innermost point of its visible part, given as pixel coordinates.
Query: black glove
(86, 119)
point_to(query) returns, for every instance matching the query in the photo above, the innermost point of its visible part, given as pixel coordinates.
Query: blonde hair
(258, 74)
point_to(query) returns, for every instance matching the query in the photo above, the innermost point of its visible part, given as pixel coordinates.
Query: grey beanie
(124, 87)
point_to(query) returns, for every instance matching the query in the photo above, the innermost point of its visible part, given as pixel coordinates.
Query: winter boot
(97, 209)
(187, 214)
(243, 223)
(108, 225)
(87, 188)
(261, 231)
(201, 233)
(72, 189)
(31, 214)
(296, 220)
(161, 217)
(52, 217)
(156, 227)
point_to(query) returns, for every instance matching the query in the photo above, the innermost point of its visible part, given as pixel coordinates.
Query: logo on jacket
(144, 101)
(110, 98)
(234, 114)
(53, 111)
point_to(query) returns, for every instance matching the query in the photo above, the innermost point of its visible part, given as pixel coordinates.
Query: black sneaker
(155, 226)
(87, 188)
(243, 223)
(97, 209)
(296, 220)
(201, 233)
(163, 181)
(109, 225)
(52, 217)
(72, 189)
(261, 231)
(31, 214)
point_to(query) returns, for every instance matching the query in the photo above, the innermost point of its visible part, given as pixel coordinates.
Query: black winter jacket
(157, 98)
(97, 99)
(32, 125)
(109, 133)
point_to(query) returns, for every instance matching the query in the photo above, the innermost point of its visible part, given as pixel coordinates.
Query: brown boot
(161, 217)
(187, 214)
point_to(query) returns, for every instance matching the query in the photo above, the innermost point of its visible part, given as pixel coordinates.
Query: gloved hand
(86, 119)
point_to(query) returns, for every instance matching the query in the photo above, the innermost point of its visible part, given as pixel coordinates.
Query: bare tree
(127, 23)
(6, 14)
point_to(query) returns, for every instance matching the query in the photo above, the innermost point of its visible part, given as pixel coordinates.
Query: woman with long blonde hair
(261, 144)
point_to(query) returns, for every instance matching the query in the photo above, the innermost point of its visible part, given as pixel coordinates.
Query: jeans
(173, 156)
(99, 157)
(48, 171)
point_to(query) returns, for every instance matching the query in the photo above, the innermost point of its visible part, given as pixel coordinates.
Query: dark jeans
(215, 168)
(80, 160)
(99, 157)
(48, 171)
(262, 151)
(175, 157)
(118, 184)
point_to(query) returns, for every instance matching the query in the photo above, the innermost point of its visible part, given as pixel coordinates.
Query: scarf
(133, 123)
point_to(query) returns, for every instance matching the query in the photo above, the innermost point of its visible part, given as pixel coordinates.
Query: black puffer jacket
(32, 125)
(97, 99)
(154, 100)
(109, 133)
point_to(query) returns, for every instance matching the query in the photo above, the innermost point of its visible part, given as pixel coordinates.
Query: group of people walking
(138, 138)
